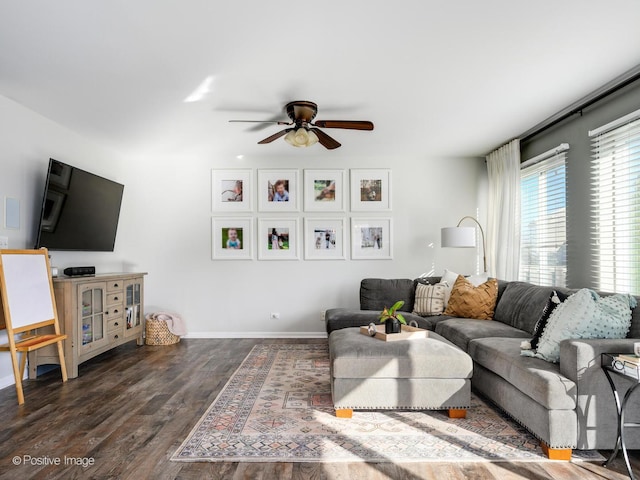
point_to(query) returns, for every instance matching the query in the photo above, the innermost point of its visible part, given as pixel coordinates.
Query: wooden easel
(28, 303)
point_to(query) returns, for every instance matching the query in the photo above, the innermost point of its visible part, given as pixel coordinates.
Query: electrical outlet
(4, 242)
(275, 315)
(323, 315)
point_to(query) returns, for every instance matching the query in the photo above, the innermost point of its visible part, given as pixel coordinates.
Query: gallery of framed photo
(278, 239)
(232, 238)
(231, 190)
(324, 190)
(278, 190)
(324, 238)
(371, 239)
(371, 190)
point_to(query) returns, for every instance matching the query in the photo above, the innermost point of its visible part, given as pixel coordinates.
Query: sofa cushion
(521, 304)
(584, 315)
(470, 301)
(540, 380)
(378, 293)
(429, 299)
(462, 330)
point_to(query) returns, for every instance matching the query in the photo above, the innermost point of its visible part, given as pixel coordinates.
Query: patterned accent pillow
(449, 279)
(584, 315)
(555, 299)
(469, 301)
(429, 299)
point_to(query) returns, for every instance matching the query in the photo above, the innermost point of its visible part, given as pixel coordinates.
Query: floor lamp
(463, 237)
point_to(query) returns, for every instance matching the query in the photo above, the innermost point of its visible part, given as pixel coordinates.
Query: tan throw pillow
(429, 299)
(467, 301)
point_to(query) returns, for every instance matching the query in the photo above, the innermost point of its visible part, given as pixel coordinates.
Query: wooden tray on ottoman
(407, 333)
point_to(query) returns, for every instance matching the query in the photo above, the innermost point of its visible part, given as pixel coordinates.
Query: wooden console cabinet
(98, 313)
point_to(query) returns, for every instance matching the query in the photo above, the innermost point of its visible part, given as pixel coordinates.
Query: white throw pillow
(477, 280)
(448, 279)
(584, 315)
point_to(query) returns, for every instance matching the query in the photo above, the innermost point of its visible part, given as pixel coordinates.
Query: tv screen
(80, 210)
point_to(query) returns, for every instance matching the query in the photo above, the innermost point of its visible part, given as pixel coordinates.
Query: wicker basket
(157, 333)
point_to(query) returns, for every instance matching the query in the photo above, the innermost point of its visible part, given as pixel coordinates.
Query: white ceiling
(446, 78)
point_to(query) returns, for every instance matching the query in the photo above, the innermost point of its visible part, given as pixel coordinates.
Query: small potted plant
(392, 318)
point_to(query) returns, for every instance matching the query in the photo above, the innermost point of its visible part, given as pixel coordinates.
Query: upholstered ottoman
(420, 374)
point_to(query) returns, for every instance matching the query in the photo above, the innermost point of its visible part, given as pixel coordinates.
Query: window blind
(616, 205)
(543, 220)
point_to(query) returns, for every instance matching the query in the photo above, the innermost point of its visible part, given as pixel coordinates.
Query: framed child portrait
(277, 239)
(371, 190)
(371, 239)
(232, 238)
(278, 190)
(324, 239)
(324, 190)
(231, 190)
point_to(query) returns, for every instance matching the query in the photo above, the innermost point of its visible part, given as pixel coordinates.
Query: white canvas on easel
(28, 303)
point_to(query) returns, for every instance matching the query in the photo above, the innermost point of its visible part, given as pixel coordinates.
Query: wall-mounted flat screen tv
(80, 210)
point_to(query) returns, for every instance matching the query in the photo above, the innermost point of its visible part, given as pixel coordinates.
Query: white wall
(27, 140)
(170, 237)
(165, 228)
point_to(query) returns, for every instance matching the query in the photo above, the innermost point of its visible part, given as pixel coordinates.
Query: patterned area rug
(277, 408)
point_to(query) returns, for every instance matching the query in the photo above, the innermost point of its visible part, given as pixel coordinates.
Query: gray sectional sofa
(566, 405)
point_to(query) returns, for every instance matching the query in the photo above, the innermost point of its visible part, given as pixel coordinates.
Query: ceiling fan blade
(259, 125)
(275, 136)
(350, 124)
(325, 139)
(261, 121)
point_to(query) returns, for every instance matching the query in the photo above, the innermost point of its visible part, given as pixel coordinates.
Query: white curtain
(503, 230)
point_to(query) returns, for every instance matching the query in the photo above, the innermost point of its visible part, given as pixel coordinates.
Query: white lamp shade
(458, 237)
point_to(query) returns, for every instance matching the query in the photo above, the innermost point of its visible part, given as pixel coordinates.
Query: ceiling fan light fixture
(301, 138)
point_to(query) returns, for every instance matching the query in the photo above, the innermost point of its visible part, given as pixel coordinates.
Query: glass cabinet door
(92, 313)
(133, 304)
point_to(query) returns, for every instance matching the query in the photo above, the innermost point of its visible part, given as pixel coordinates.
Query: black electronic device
(80, 210)
(78, 271)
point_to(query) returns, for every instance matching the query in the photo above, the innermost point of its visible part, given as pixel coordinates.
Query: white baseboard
(257, 335)
(7, 381)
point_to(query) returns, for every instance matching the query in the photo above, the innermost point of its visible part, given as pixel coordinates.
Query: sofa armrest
(595, 406)
(581, 357)
(337, 318)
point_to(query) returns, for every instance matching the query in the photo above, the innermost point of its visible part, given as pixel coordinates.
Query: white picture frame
(324, 190)
(324, 238)
(281, 233)
(231, 190)
(371, 238)
(371, 190)
(271, 179)
(225, 245)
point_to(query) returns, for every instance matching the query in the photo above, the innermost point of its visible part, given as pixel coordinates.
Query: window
(543, 218)
(616, 204)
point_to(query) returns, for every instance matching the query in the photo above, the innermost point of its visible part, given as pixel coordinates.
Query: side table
(612, 365)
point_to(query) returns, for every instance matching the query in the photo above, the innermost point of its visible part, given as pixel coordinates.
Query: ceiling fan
(303, 132)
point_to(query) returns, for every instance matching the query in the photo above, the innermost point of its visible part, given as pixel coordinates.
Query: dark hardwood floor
(130, 409)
